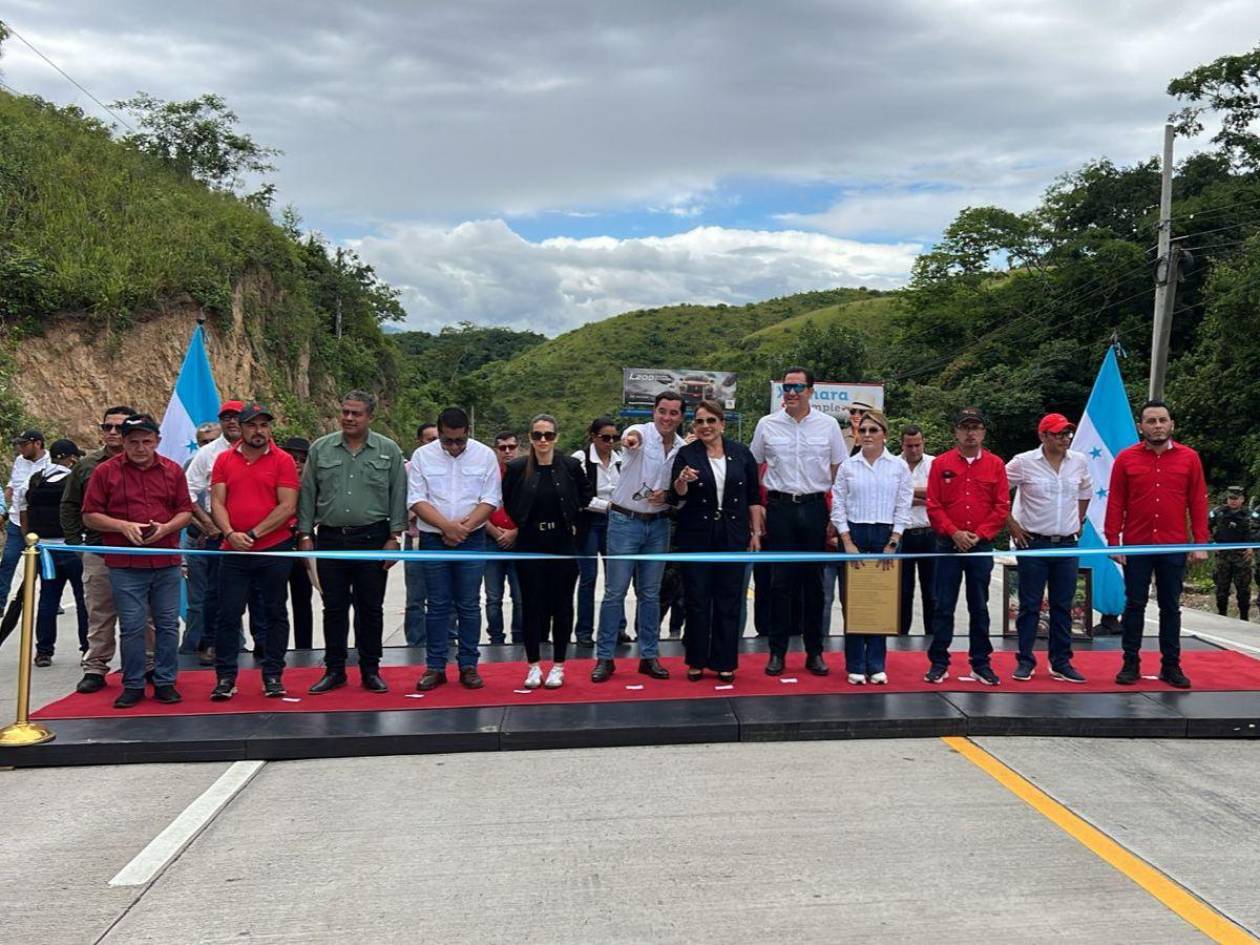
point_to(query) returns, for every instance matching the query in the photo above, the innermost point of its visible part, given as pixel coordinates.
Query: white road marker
(181, 831)
(1214, 639)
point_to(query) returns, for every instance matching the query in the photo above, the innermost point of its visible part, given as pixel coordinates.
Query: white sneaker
(555, 676)
(879, 679)
(857, 679)
(533, 679)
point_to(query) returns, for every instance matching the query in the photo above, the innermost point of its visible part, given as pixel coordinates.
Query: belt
(925, 530)
(631, 513)
(1053, 539)
(774, 496)
(354, 531)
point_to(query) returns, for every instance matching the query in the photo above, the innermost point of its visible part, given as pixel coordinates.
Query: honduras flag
(194, 401)
(1105, 429)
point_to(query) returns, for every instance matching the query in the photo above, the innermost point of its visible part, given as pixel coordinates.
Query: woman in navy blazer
(716, 488)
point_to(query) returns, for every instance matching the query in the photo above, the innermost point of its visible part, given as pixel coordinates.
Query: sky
(544, 164)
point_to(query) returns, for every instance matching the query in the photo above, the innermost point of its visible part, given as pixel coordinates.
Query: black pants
(547, 591)
(300, 600)
(361, 583)
(712, 593)
(1169, 571)
(673, 598)
(794, 526)
(914, 541)
(254, 580)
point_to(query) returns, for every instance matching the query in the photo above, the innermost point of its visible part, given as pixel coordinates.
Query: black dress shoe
(129, 698)
(1173, 675)
(816, 665)
(653, 668)
(327, 683)
(603, 670)
(91, 682)
(168, 694)
(586, 643)
(774, 665)
(431, 679)
(372, 682)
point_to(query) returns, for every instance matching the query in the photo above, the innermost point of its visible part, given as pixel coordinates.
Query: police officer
(1231, 522)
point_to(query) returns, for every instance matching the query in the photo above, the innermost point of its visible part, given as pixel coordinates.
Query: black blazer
(698, 510)
(572, 486)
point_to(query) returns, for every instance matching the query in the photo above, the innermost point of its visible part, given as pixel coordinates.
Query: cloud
(483, 271)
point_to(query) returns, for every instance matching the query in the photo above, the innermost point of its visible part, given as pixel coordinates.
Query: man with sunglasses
(353, 497)
(102, 614)
(502, 531)
(1053, 489)
(802, 449)
(453, 485)
(637, 524)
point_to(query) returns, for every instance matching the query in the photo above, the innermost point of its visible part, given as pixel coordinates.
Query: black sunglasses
(609, 437)
(705, 421)
(111, 427)
(547, 435)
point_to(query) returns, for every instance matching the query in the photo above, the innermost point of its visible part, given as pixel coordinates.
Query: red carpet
(1212, 670)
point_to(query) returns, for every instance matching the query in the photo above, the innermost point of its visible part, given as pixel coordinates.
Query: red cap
(1055, 423)
(231, 406)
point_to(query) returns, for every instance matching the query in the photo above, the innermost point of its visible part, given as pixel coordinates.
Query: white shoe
(555, 676)
(533, 679)
(857, 679)
(879, 679)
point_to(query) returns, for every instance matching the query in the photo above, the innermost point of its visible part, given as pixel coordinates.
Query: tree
(199, 138)
(1229, 86)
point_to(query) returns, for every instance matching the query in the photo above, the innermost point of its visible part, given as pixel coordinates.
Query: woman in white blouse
(601, 462)
(870, 508)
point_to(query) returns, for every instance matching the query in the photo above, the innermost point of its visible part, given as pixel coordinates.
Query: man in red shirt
(139, 498)
(968, 499)
(253, 500)
(1155, 484)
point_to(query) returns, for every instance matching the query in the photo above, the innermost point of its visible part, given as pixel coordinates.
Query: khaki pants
(103, 619)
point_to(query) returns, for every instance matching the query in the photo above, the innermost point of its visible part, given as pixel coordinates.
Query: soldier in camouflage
(1232, 522)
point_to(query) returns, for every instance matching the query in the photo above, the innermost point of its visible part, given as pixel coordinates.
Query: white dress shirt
(23, 469)
(454, 485)
(1048, 499)
(644, 469)
(877, 493)
(918, 480)
(798, 454)
(200, 467)
(606, 477)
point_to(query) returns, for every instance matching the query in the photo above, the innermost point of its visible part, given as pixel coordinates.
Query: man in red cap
(203, 570)
(1053, 489)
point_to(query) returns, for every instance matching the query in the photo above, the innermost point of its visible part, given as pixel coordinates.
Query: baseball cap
(230, 406)
(65, 448)
(253, 410)
(1236, 490)
(971, 415)
(1055, 423)
(27, 436)
(296, 444)
(140, 421)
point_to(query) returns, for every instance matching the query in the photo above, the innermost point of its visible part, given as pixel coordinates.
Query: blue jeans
(496, 572)
(594, 542)
(137, 593)
(413, 576)
(454, 585)
(69, 568)
(202, 616)
(951, 569)
(626, 536)
(866, 653)
(14, 544)
(1034, 575)
(1169, 571)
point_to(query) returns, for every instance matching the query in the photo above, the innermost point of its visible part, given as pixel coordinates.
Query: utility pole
(1165, 275)
(340, 270)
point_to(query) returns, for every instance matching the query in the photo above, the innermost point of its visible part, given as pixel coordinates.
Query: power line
(69, 78)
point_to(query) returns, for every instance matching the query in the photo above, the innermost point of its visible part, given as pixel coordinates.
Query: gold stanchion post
(23, 731)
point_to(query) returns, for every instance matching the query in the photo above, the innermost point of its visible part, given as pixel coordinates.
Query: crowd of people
(670, 483)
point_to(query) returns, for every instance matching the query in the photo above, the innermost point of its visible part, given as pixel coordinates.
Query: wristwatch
(893, 544)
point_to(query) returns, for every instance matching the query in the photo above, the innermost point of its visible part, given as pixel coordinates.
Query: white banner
(834, 398)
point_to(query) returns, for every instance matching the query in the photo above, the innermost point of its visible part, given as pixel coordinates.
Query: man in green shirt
(353, 497)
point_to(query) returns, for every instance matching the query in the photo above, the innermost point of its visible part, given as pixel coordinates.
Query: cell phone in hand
(148, 531)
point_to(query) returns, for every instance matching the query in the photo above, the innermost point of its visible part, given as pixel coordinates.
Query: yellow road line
(1172, 894)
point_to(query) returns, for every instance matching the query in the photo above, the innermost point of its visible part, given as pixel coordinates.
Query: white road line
(181, 831)
(1214, 639)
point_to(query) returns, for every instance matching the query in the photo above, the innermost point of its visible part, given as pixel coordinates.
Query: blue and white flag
(1106, 428)
(194, 401)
